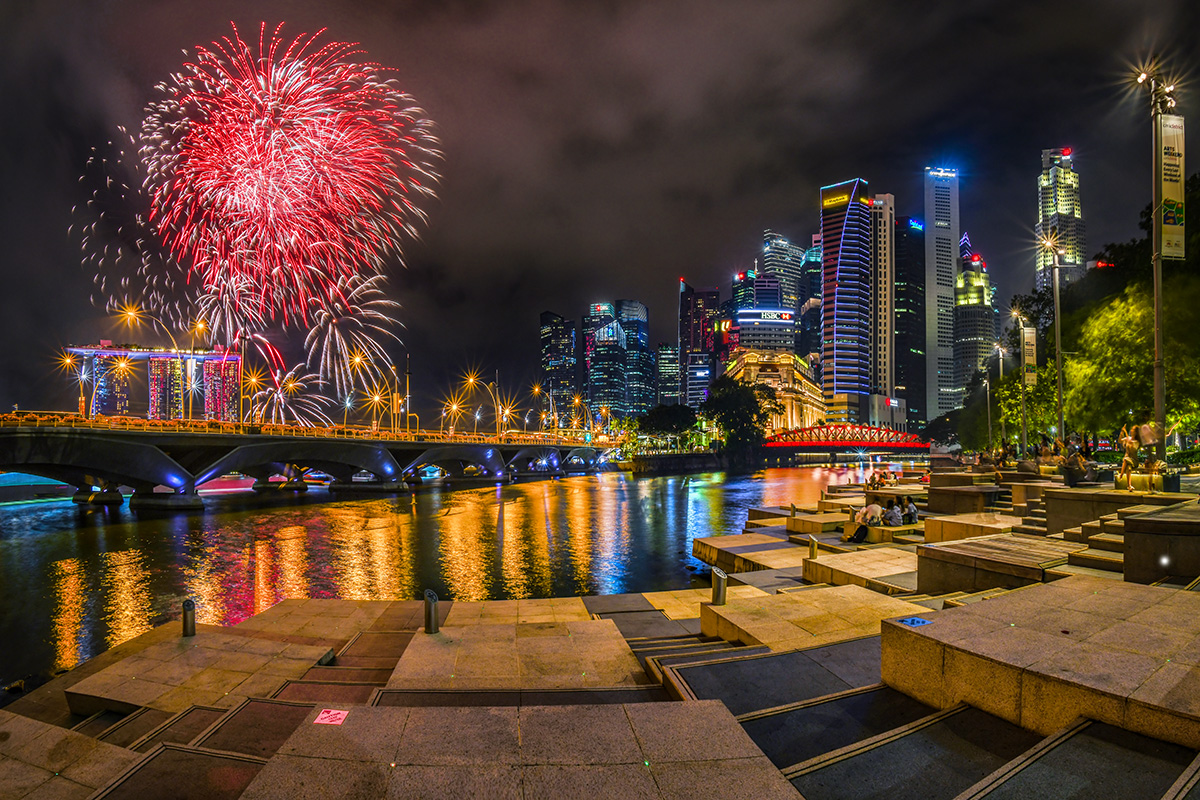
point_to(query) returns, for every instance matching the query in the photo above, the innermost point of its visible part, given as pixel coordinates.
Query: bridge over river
(164, 461)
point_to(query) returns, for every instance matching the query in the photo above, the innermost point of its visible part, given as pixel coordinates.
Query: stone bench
(816, 523)
(961, 499)
(881, 534)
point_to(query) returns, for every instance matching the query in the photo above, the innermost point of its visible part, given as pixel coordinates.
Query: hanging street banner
(1171, 166)
(1029, 355)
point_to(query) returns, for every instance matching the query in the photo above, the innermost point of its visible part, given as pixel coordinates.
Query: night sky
(602, 150)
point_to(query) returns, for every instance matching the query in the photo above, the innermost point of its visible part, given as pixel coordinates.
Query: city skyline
(593, 154)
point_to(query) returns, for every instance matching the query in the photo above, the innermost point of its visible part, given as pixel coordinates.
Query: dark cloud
(597, 150)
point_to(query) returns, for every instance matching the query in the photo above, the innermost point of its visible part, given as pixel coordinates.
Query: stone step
(326, 692)
(655, 664)
(182, 728)
(944, 753)
(683, 650)
(1094, 759)
(1072, 534)
(795, 733)
(1098, 559)
(1064, 570)
(1038, 513)
(135, 726)
(340, 674)
(1113, 542)
(255, 727)
(1113, 526)
(1032, 530)
(207, 774)
(1090, 528)
(99, 722)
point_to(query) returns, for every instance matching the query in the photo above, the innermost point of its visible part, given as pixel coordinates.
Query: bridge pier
(109, 496)
(379, 487)
(187, 501)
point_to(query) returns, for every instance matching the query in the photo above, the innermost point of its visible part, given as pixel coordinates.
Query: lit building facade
(974, 321)
(221, 381)
(1060, 218)
(909, 242)
(845, 315)
(785, 261)
(802, 400)
(667, 368)
(634, 319)
(742, 290)
(768, 292)
(766, 329)
(883, 294)
(606, 374)
(808, 327)
(559, 361)
(598, 316)
(165, 377)
(110, 395)
(942, 234)
(699, 311)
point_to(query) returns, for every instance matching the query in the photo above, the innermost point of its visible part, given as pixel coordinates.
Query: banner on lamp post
(1029, 356)
(1170, 218)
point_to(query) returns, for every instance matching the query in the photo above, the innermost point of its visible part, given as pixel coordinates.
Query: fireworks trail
(344, 342)
(131, 267)
(290, 170)
(291, 399)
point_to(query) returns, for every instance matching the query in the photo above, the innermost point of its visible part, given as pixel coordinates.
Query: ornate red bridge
(826, 438)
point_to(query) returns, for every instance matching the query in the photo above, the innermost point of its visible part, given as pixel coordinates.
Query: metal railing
(34, 419)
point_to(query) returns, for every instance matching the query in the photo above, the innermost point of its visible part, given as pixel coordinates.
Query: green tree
(1109, 380)
(668, 420)
(741, 412)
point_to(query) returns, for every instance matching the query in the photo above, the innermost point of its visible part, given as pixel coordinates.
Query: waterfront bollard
(719, 581)
(431, 611)
(812, 546)
(189, 617)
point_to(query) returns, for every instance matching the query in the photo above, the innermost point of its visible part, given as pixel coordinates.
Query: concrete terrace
(985, 659)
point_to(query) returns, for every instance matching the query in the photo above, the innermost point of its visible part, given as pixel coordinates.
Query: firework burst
(291, 399)
(344, 343)
(287, 169)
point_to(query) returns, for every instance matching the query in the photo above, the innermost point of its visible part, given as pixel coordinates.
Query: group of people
(902, 513)
(879, 479)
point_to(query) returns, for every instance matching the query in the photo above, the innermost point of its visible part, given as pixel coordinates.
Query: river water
(77, 581)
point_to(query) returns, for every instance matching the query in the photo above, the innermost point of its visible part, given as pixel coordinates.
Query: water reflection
(108, 576)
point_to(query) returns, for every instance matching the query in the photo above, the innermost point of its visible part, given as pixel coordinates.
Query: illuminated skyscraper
(165, 376)
(808, 325)
(221, 387)
(599, 315)
(111, 392)
(1060, 214)
(910, 318)
(698, 313)
(559, 368)
(942, 233)
(606, 375)
(639, 376)
(743, 289)
(974, 321)
(883, 295)
(846, 313)
(668, 374)
(785, 261)
(768, 292)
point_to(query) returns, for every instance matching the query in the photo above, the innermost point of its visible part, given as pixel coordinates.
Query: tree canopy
(668, 420)
(741, 412)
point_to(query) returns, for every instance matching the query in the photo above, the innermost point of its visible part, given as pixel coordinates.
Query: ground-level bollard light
(812, 546)
(189, 617)
(431, 611)
(720, 580)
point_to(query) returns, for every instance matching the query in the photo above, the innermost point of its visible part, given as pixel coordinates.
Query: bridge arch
(340, 459)
(455, 458)
(536, 459)
(84, 459)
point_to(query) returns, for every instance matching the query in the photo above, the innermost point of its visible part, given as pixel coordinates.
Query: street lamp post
(1000, 362)
(987, 388)
(1055, 252)
(1161, 102)
(1024, 424)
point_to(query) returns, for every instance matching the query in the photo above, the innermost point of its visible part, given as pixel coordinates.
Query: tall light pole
(987, 388)
(1000, 363)
(1024, 425)
(1161, 102)
(1055, 253)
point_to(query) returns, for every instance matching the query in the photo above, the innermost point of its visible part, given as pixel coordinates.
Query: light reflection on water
(78, 581)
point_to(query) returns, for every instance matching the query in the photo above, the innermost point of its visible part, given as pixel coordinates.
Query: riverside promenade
(838, 675)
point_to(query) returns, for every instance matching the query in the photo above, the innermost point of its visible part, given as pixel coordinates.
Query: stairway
(656, 653)
(1105, 540)
(1034, 520)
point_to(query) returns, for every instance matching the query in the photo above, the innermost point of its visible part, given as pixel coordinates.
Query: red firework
(286, 169)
